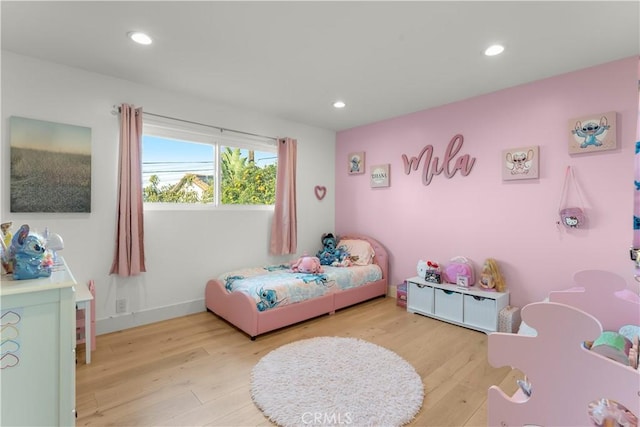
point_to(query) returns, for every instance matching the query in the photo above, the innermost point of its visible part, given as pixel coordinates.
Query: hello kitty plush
(422, 268)
(429, 270)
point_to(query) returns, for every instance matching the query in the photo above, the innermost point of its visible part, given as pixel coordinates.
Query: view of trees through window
(179, 171)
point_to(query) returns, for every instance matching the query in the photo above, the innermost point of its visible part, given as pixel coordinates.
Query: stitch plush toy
(330, 254)
(327, 254)
(307, 264)
(28, 254)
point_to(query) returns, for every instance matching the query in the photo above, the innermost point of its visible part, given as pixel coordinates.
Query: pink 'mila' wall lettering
(464, 163)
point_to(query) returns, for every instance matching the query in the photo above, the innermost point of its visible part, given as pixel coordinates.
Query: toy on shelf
(6, 234)
(4, 258)
(429, 271)
(53, 243)
(607, 412)
(28, 254)
(460, 271)
(491, 278)
(634, 353)
(5, 242)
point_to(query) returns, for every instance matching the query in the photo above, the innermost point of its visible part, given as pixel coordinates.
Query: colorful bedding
(275, 286)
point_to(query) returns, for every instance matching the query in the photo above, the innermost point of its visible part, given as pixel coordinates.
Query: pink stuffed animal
(307, 264)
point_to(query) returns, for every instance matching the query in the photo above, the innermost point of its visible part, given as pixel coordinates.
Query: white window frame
(192, 132)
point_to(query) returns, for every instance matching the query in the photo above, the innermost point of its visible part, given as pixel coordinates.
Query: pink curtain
(128, 259)
(284, 228)
(636, 196)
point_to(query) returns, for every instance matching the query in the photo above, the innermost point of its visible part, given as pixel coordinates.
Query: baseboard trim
(145, 317)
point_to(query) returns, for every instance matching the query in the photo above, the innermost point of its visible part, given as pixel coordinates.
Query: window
(194, 164)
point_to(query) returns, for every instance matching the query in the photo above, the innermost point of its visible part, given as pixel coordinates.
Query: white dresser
(471, 307)
(38, 350)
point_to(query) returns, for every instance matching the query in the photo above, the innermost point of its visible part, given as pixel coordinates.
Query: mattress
(275, 286)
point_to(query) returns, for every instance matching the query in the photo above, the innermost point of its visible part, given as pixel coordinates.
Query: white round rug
(336, 381)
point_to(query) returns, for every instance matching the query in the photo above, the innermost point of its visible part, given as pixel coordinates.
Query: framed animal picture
(356, 163)
(520, 163)
(596, 132)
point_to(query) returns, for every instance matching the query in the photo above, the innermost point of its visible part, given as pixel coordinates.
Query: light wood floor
(195, 370)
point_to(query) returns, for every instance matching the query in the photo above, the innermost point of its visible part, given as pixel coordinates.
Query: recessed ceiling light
(339, 104)
(140, 38)
(494, 50)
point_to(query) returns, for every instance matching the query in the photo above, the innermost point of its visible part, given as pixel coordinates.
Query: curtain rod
(116, 110)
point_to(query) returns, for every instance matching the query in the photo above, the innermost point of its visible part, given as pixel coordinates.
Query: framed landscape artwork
(596, 132)
(520, 163)
(50, 166)
(356, 163)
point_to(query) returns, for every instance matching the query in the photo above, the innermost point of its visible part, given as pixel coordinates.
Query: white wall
(183, 249)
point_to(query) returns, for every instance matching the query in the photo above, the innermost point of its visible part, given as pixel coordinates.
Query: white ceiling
(292, 59)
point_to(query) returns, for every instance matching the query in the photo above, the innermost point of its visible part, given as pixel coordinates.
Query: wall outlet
(121, 305)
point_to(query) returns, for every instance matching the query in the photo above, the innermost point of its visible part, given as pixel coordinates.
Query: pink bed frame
(240, 309)
(565, 377)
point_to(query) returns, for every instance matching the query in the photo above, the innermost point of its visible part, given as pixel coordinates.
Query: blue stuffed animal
(330, 254)
(27, 252)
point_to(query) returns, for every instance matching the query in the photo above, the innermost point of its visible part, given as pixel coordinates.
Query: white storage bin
(480, 311)
(469, 307)
(419, 298)
(448, 304)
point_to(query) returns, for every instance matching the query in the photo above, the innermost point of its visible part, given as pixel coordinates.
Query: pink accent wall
(480, 215)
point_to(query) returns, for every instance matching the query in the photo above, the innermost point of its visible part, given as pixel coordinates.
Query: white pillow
(360, 251)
